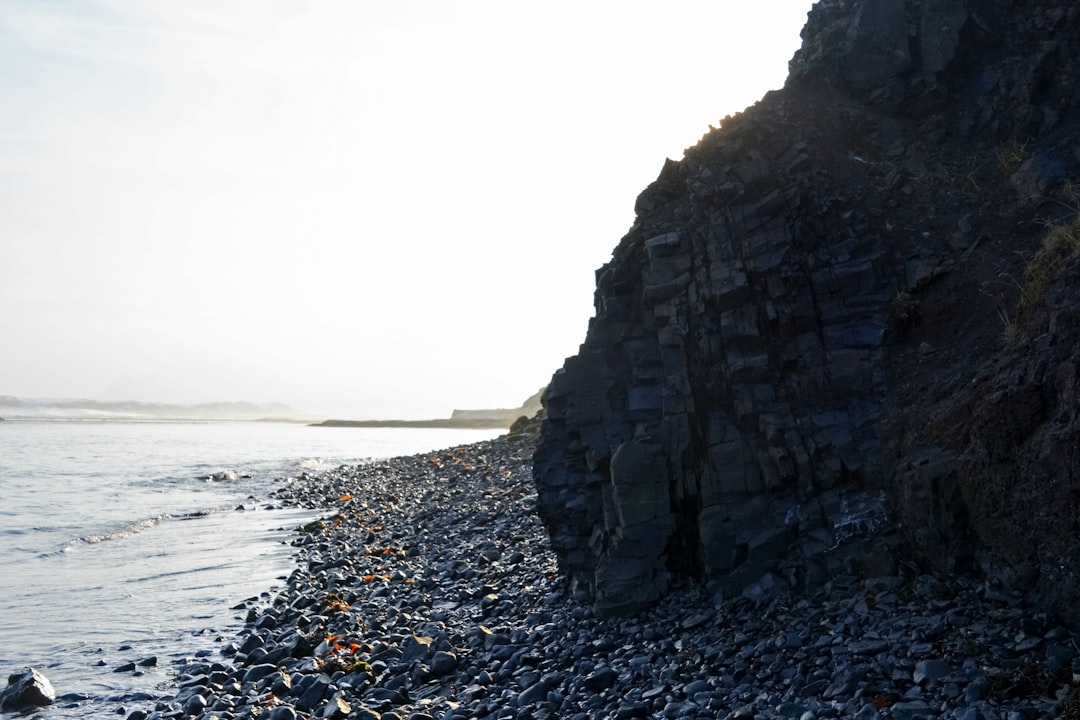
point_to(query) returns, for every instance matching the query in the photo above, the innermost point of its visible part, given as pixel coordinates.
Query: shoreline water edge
(429, 590)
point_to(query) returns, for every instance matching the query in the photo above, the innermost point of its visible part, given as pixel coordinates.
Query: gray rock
(443, 663)
(867, 712)
(258, 672)
(313, 694)
(930, 670)
(869, 646)
(27, 689)
(910, 710)
(677, 709)
(693, 688)
(335, 707)
(415, 647)
(628, 710)
(536, 693)
(600, 680)
(195, 704)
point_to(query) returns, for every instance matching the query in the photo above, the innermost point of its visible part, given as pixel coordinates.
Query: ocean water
(116, 548)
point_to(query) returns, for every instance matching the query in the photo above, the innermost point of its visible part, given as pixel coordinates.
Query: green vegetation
(1048, 264)
(1011, 156)
(313, 527)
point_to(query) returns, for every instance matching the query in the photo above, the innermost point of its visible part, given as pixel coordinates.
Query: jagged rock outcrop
(27, 689)
(796, 358)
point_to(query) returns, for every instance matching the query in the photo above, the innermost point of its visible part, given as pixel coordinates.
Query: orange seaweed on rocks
(374, 576)
(339, 652)
(385, 551)
(267, 701)
(882, 702)
(336, 603)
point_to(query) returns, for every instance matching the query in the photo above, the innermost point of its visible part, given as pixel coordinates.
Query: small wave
(123, 532)
(140, 525)
(316, 465)
(312, 465)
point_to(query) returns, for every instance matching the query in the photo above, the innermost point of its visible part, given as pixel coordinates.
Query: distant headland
(494, 418)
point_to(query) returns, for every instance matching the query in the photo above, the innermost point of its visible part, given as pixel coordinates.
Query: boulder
(27, 689)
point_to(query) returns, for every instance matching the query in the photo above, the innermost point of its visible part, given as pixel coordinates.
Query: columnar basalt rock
(768, 333)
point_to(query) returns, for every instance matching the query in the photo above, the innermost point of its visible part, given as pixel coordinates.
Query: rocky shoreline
(428, 590)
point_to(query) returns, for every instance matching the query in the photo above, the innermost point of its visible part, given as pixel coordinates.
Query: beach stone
(313, 693)
(544, 655)
(258, 672)
(282, 684)
(909, 710)
(336, 707)
(251, 642)
(600, 680)
(679, 709)
(415, 647)
(195, 704)
(867, 712)
(843, 683)
(869, 647)
(976, 690)
(632, 710)
(533, 694)
(443, 662)
(695, 687)
(930, 670)
(27, 689)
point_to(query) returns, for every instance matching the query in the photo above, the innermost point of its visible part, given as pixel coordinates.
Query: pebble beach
(426, 590)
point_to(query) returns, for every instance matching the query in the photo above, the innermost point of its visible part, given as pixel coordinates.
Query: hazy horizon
(14, 406)
(355, 209)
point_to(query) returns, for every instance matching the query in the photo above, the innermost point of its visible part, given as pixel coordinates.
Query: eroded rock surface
(807, 297)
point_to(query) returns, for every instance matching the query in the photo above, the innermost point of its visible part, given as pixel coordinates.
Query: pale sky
(364, 209)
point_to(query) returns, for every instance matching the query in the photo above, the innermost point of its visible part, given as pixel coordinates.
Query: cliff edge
(841, 335)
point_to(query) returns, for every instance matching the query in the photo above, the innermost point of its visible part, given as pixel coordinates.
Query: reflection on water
(165, 593)
(114, 548)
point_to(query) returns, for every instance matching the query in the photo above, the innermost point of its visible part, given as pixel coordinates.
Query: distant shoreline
(448, 423)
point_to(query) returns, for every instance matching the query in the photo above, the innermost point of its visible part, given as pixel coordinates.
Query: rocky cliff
(821, 349)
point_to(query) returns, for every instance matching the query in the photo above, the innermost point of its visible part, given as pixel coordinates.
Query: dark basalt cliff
(816, 352)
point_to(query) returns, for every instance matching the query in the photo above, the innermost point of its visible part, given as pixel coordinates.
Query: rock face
(27, 689)
(796, 369)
